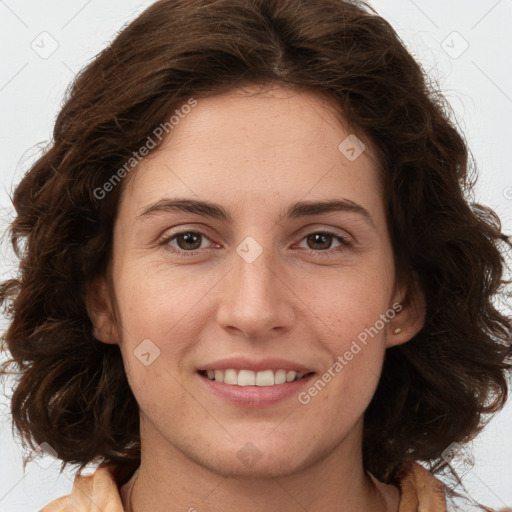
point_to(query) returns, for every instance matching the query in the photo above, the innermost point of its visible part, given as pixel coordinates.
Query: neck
(169, 480)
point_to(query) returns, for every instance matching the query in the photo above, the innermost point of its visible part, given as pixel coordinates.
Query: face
(261, 278)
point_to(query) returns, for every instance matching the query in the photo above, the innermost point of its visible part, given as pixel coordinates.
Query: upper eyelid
(306, 229)
(347, 238)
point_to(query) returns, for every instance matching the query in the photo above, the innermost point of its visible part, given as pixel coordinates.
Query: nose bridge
(256, 300)
(256, 278)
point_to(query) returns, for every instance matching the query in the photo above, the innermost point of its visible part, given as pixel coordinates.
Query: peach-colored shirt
(420, 491)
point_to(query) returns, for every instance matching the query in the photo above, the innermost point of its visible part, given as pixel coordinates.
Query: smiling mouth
(244, 377)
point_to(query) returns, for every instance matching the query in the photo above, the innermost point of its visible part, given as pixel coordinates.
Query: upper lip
(244, 363)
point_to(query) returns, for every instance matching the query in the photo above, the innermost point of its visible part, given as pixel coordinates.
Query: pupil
(321, 238)
(189, 239)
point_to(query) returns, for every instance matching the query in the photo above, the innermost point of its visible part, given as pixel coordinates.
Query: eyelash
(345, 243)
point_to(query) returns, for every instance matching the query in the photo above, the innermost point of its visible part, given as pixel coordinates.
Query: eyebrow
(297, 210)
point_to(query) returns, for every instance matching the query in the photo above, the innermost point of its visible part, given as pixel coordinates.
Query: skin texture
(254, 154)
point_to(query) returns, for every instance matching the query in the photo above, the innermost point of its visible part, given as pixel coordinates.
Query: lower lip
(256, 396)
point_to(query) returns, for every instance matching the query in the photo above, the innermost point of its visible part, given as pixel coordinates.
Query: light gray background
(477, 81)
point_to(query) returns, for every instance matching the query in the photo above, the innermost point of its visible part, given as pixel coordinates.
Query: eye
(322, 240)
(189, 242)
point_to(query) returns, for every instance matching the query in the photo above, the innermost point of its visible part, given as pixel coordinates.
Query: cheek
(153, 299)
(349, 301)
(353, 315)
(348, 382)
(162, 314)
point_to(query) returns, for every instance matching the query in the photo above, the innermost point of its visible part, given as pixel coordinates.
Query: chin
(261, 458)
(262, 468)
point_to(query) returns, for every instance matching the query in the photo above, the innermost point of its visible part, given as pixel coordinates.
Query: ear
(410, 318)
(100, 309)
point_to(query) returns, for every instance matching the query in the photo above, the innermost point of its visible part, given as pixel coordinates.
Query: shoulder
(420, 490)
(101, 489)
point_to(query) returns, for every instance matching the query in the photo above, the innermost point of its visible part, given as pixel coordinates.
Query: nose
(257, 298)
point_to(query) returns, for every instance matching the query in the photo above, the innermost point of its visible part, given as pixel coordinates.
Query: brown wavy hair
(435, 390)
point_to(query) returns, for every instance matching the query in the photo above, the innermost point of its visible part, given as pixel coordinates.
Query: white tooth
(265, 378)
(290, 376)
(230, 377)
(280, 377)
(246, 378)
(249, 378)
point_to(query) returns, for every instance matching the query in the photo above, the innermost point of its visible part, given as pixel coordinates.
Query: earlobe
(100, 309)
(410, 320)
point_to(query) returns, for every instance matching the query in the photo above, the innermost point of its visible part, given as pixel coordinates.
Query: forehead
(261, 119)
(257, 144)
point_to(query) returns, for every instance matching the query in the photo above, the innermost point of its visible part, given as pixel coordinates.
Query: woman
(249, 275)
